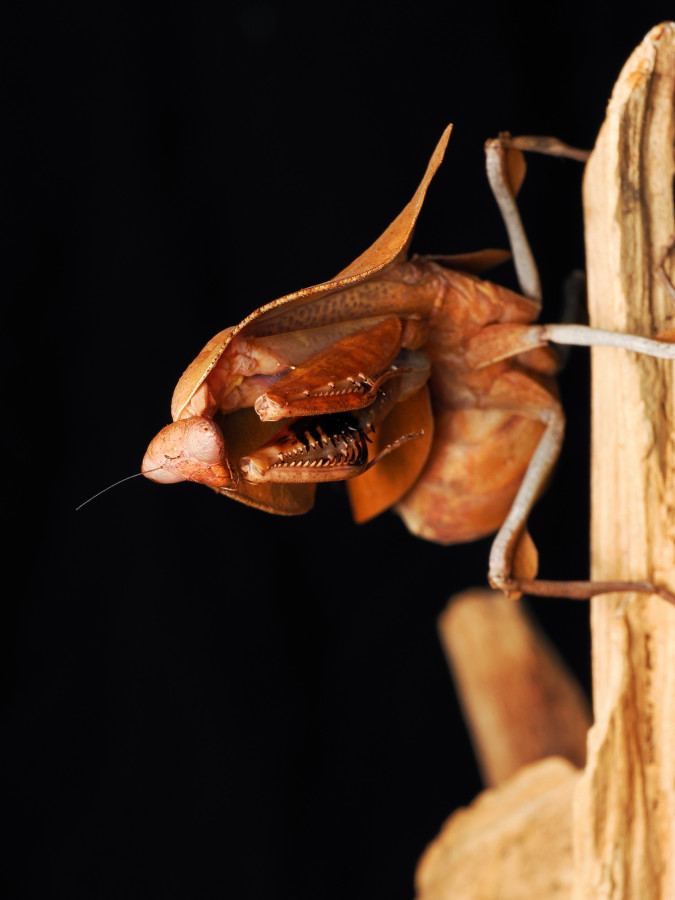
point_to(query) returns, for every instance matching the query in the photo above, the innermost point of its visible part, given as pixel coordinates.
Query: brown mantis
(427, 389)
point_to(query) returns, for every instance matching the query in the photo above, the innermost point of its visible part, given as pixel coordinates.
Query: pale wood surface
(624, 826)
(512, 843)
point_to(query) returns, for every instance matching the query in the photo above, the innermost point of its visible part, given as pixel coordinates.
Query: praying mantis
(427, 389)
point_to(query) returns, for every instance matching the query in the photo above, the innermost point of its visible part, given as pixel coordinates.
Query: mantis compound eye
(188, 450)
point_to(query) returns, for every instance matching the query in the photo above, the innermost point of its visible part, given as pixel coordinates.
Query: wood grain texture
(624, 829)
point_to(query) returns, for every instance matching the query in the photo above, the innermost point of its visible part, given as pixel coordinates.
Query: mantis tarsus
(429, 390)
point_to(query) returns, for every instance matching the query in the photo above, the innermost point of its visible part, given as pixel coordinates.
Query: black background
(203, 700)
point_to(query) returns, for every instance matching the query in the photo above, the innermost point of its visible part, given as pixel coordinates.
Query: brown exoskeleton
(426, 388)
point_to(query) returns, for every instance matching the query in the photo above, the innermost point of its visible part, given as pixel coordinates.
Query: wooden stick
(520, 702)
(624, 827)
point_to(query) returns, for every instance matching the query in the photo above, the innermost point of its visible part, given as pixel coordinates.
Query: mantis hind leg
(511, 554)
(505, 166)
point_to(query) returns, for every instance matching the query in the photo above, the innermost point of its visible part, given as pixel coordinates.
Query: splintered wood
(624, 824)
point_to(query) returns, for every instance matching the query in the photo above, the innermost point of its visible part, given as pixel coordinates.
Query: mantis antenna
(110, 486)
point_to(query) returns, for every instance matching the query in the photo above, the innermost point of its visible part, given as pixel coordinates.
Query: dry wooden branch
(520, 702)
(625, 804)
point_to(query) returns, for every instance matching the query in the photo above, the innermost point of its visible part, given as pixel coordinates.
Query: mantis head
(191, 449)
